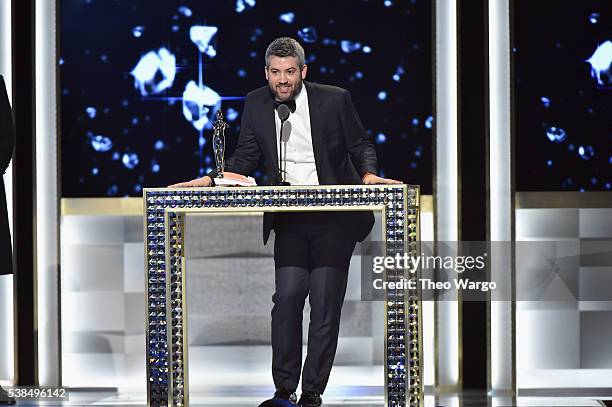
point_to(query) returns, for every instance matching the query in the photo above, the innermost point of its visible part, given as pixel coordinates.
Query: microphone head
(283, 112)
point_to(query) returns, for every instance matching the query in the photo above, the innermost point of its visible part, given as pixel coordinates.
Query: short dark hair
(285, 47)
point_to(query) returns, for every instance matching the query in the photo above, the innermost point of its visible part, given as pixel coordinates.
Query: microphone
(283, 114)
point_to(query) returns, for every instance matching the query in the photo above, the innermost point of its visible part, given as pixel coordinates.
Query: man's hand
(204, 181)
(371, 179)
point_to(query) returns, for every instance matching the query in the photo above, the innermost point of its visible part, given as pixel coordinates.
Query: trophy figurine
(224, 178)
(219, 142)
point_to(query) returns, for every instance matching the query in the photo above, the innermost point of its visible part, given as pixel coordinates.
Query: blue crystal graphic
(366, 49)
(382, 95)
(601, 64)
(155, 72)
(101, 143)
(398, 73)
(232, 114)
(429, 122)
(91, 112)
(242, 5)
(256, 34)
(594, 18)
(154, 166)
(349, 46)
(287, 17)
(186, 11)
(308, 34)
(545, 101)
(130, 160)
(138, 31)
(556, 134)
(112, 190)
(381, 138)
(159, 145)
(200, 104)
(201, 36)
(586, 152)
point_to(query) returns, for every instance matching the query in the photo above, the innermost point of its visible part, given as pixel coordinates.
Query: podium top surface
(412, 187)
(281, 198)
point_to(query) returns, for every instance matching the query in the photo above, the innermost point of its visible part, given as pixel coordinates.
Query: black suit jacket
(7, 142)
(340, 144)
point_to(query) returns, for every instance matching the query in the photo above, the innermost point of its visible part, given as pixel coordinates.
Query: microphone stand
(283, 114)
(282, 164)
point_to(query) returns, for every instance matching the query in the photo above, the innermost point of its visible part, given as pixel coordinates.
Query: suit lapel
(270, 132)
(314, 107)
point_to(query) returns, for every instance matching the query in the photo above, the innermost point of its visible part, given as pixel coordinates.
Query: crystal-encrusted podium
(165, 210)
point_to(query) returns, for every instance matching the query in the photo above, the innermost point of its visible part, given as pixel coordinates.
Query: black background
(399, 34)
(552, 41)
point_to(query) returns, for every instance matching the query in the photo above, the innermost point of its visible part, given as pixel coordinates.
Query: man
(312, 251)
(7, 142)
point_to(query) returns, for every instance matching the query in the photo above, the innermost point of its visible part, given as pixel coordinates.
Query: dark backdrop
(563, 111)
(115, 141)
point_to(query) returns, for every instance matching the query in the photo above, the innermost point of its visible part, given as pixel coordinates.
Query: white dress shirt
(299, 155)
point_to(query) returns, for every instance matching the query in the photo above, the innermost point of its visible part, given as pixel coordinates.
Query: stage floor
(346, 397)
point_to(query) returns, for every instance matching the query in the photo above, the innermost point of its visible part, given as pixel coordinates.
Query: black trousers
(312, 253)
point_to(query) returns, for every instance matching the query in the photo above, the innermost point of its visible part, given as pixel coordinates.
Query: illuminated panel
(47, 261)
(446, 195)
(501, 341)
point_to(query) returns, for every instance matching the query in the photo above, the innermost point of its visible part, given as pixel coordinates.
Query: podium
(165, 211)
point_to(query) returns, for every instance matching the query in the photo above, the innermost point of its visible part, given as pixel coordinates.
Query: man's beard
(296, 91)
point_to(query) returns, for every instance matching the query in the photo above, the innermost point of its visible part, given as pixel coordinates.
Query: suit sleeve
(247, 153)
(7, 129)
(361, 150)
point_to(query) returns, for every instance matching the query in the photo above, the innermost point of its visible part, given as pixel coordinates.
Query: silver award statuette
(219, 142)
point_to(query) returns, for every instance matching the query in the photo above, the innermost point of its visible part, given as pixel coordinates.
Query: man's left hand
(371, 179)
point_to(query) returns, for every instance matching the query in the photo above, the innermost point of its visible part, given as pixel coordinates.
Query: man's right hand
(204, 181)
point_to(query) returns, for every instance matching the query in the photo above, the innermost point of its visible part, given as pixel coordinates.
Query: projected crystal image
(563, 95)
(141, 82)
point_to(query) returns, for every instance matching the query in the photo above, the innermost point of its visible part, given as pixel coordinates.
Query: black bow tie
(290, 104)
